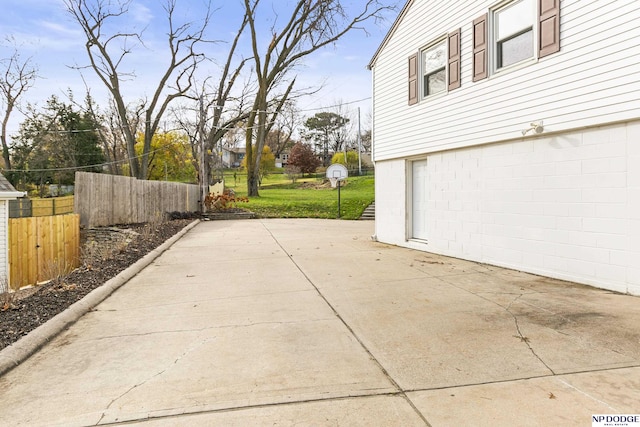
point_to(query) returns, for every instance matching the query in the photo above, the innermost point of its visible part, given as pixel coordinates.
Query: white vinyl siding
(593, 80)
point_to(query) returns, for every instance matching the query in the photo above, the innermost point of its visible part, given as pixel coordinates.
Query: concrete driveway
(310, 322)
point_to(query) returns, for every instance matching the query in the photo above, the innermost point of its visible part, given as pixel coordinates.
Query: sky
(45, 32)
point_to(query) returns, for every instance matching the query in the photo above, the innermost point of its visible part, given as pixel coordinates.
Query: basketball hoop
(336, 173)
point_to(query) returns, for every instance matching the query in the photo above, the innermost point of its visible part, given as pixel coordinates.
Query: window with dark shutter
(549, 27)
(413, 79)
(454, 60)
(480, 48)
(434, 68)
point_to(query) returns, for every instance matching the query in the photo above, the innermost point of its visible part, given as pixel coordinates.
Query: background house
(7, 192)
(282, 160)
(232, 157)
(508, 132)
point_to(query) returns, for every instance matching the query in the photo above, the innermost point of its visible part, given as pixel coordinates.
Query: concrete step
(369, 213)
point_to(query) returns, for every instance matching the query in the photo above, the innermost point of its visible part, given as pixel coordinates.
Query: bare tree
(311, 25)
(112, 136)
(222, 123)
(17, 76)
(365, 134)
(107, 53)
(279, 139)
(108, 129)
(221, 108)
(345, 136)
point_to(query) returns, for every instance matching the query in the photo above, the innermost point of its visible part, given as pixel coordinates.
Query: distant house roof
(7, 191)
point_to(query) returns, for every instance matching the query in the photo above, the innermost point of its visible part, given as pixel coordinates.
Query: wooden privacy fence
(103, 200)
(41, 248)
(22, 208)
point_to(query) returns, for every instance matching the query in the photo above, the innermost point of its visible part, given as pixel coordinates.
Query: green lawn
(279, 198)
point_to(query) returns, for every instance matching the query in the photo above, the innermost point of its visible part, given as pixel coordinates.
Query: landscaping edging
(221, 216)
(16, 353)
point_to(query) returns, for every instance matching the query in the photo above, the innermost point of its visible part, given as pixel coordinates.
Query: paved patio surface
(310, 322)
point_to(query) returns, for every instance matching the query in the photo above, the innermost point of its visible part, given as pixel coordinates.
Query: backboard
(337, 171)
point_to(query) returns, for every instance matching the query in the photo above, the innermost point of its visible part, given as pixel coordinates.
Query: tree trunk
(5, 153)
(253, 185)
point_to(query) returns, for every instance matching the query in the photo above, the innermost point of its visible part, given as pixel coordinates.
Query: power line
(75, 168)
(215, 127)
(336, 105)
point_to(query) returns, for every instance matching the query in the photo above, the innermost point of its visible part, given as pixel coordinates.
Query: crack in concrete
(516, 321)
(211, 328)
(197, 302)
(365, 396)
(188, 413)
(146, 380)
(521, 336)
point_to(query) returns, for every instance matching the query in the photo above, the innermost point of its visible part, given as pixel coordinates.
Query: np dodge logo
(615, 420)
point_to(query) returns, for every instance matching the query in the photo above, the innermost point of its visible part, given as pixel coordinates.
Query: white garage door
(419, 200)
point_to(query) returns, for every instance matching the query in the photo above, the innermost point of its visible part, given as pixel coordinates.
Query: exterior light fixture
(536, 127)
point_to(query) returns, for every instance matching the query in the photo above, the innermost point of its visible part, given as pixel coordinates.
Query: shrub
(224, 201)
(293, 172)
(303, 157)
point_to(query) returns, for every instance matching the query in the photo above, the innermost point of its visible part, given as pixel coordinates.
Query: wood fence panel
(72, 238)
(173, 198)
(102, 196)
(152, 201)
(41, 248)
(80, 196)
(52, 206)
(103, 200)
(20, 208)
(23, 253)
(144, 200)
(41, 207)
(122, 200)
(194, 196)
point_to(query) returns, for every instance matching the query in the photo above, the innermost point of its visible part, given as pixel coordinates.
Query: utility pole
(359, 146)
(203, 180)
(343, 122)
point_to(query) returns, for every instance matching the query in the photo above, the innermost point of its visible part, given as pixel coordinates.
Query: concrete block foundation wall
(565, 205)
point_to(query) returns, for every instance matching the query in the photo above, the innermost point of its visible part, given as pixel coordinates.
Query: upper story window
(513, 33)
(434, 69)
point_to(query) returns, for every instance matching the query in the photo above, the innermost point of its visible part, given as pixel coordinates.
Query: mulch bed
(23, 311)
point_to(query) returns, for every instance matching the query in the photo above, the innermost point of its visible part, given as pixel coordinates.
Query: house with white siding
(7, 192)
(508, 132)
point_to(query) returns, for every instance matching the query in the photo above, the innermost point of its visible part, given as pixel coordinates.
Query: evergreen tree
(54, 143)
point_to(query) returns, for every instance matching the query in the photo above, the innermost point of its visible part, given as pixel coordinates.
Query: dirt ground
(23, 311)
